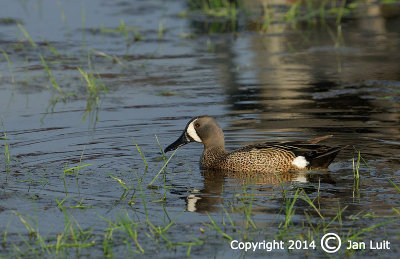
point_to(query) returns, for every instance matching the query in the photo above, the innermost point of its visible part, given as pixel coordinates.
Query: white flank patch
(192, 132)
(300, 162)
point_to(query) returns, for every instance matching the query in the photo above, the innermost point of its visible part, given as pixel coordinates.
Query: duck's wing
(318, 156)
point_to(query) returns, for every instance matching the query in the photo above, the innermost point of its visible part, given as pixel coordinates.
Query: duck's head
(202, 129)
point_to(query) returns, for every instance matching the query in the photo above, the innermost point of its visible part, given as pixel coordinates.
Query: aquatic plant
(260, 17)
(217, 8)
(6, 150)
(9, 67)
(50, 74)
(27, 36)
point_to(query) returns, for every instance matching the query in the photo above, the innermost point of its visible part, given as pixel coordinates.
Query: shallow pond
(82, 82)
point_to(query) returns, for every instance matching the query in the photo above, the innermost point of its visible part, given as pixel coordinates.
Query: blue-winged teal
(262, 158)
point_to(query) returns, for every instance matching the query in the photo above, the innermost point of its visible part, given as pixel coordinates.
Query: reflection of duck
(265, 158)
(212, 195)
(246, 177)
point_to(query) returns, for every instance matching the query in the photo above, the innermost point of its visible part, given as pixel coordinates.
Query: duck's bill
(182, 140)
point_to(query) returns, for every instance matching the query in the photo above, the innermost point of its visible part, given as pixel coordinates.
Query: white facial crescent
(192, 132)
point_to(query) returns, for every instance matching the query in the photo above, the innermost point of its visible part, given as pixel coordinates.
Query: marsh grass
(51, 48)
(72, 171)
(161, 29)
(95, 88)
(356, 172)
(337, 38)
(141, 231)
(130, 33)
(6, 149)
(246, 199)
(123, 29)
(262, 17)
(51, 76)
(93, 83)
(27, 36)
(230, 226)
(397, 211)
(312, 230)
(4, 239)
(220, 8)
(166, 161)
(128, 227)
(318, 12)
(289, 208)
(33, 233)
(142, 235)
(113, 58)
(132, 230)
(397, 187)
(162, 169)
(31, 180)
(217, 228)
(141, 154)
(123, 184)
(9, 67)
(73, 236)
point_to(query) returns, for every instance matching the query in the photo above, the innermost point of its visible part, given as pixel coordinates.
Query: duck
(264, 158)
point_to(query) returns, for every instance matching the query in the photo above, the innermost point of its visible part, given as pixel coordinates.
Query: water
(284, 84)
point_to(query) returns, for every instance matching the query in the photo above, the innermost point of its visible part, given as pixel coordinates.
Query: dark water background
(281, 84)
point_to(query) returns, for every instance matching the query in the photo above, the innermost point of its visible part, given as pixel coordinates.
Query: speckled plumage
(265, 158)
(249, 158)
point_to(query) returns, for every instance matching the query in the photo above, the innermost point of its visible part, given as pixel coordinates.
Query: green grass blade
(397, 187)
(140, 152)
(217, 228)
(50, 74)
(27, 36)
(162, 168)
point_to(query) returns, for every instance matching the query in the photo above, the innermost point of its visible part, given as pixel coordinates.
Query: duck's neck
(212, 156)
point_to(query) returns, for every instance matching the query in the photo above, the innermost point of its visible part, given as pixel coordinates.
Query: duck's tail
(324, 159)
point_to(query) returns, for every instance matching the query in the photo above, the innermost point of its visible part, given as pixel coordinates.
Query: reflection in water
(209, 198)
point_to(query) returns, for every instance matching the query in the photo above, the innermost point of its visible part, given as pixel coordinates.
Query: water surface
(280, 84)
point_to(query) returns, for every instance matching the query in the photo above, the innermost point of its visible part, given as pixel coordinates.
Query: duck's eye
(197, 125)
